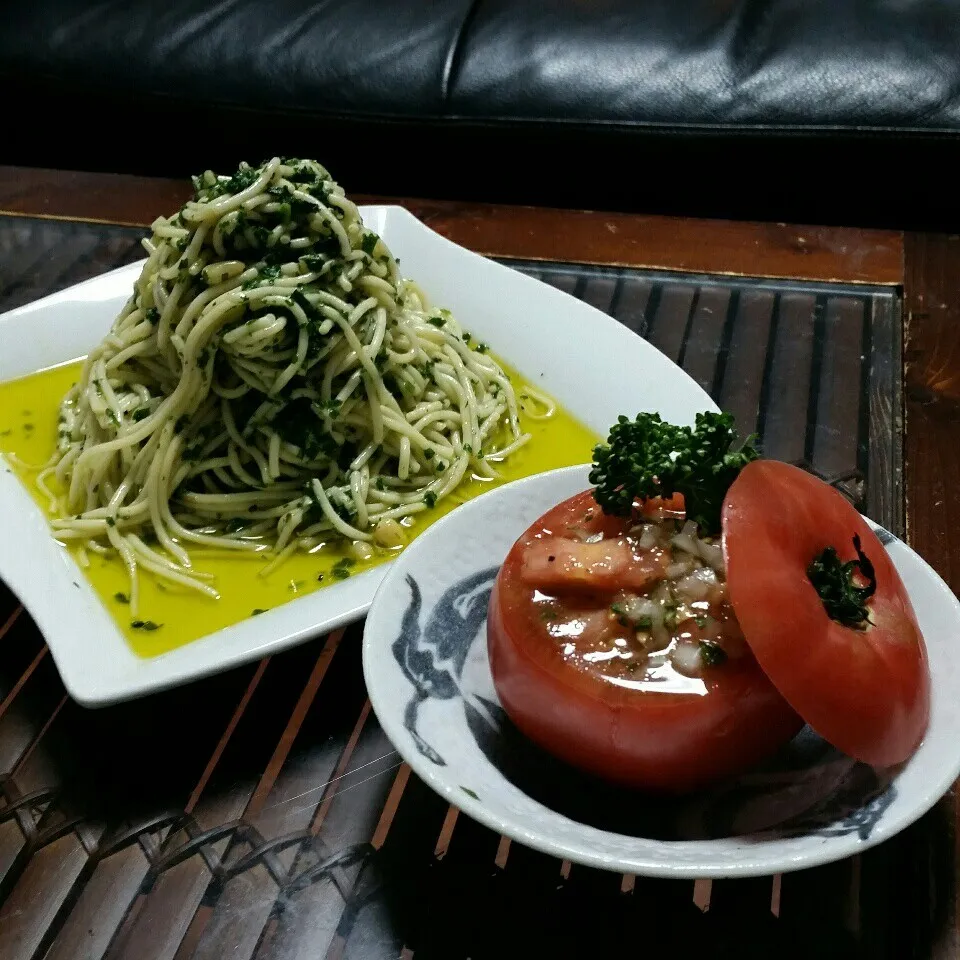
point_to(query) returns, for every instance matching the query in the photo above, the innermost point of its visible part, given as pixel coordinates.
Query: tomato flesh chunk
(663, 508)
(606, 565)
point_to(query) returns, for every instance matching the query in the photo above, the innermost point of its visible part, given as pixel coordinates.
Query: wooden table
(161, 870)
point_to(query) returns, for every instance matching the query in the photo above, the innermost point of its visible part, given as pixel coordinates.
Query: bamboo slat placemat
(263, 814)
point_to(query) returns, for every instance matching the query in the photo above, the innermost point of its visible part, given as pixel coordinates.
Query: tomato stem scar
(838, 585)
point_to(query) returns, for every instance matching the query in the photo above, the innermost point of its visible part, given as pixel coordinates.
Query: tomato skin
(667, 742)
(865, 691)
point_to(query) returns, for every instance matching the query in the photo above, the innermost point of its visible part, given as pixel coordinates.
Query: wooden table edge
(730, 248)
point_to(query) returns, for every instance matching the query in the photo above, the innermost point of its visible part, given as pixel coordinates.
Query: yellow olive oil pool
(170, 616)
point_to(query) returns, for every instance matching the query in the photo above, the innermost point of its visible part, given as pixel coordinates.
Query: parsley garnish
(646, 457)
(843, 599)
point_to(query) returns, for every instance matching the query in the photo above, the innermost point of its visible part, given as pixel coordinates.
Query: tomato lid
(864, 689)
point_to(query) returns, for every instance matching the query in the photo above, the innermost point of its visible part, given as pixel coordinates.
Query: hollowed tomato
(563, 662)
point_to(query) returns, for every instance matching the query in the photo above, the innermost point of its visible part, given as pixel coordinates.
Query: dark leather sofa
(804, 110)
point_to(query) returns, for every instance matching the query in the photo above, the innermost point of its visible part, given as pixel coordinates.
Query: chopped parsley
(245, 177)
(267, 274)
(301, 427)
(836, 583)
(121, 597)
(147, 625)
(300, 299)
(430, 499)
(712, 654)
(619, 611)
(341, 569)
(328, 408)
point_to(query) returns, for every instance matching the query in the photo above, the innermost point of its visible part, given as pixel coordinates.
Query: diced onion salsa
(632, 599)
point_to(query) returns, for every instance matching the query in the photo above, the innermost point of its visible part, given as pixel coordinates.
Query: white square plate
(593, 366)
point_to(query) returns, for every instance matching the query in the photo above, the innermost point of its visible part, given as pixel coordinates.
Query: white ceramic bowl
(428, 676)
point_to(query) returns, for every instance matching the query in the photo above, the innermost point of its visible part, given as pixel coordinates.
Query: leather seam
(451, 64)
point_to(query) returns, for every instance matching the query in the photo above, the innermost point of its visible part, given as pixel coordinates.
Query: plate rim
(125, 675)
(840, 848)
